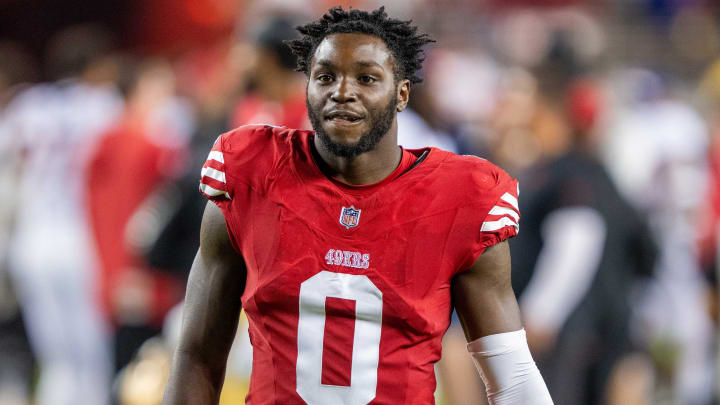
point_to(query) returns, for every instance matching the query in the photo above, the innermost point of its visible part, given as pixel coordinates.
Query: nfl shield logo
(349, 217)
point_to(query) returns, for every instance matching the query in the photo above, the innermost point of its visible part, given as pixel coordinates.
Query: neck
(367, 168)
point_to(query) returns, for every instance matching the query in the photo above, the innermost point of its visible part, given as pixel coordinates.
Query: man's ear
(403, 94)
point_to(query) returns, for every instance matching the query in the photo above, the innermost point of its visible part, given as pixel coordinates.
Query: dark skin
(356, 74)
(210, 316)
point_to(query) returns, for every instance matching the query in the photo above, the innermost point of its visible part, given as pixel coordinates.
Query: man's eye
(367, 79)
(324, 78)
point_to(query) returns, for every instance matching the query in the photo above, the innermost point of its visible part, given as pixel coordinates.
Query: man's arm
(210, 316)
(483, 296)
(489, 314)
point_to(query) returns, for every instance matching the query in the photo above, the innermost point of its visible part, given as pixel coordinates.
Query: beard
(380, 123)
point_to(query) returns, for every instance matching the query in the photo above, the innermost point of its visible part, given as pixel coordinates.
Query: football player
(348, 252)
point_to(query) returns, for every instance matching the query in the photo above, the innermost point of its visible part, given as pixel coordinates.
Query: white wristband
(508, 370)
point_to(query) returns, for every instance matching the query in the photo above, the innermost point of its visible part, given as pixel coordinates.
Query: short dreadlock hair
(401, 38)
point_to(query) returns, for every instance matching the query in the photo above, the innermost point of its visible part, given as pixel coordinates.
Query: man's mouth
(343, 117)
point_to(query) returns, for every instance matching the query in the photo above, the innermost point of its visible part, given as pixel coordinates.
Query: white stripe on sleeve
(216, 155)
(207, 190)
(497, 210)
(488, 226)
(510, 199)
(213, 174)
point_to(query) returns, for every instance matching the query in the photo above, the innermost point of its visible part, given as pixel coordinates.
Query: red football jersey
(348, 288)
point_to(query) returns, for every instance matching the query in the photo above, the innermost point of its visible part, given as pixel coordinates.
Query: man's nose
(344, 92)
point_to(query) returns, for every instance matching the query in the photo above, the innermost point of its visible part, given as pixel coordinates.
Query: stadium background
(520, 82)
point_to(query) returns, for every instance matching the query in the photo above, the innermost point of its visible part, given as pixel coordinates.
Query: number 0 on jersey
(365, 341)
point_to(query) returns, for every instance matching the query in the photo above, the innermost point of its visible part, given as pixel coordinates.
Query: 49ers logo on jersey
(348, 259)
(349, 217)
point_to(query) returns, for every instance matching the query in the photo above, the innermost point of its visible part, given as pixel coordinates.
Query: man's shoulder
(472, 174)
(258, 136)
(257, 145)
(247, 155)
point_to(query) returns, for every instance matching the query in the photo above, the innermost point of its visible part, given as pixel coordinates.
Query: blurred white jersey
(53, 128)
(656, 153)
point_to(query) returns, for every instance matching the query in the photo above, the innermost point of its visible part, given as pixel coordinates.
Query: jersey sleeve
(495, 214)
(503, 219)
(213, 181)
(237, 162)
(235, 170)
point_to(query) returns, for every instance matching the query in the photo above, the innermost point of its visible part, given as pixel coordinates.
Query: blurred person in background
(53, 127)
(141, 151)
(212, 78)
(506, 118)
(577, 261)
(276, 92)
(250, 80)
(526, 129)
(17, 70)
(459, 107)
(231, 84)
(667, 182)
(514, 115)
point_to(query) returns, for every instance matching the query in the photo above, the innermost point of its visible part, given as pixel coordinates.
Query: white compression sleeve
(508, 370)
